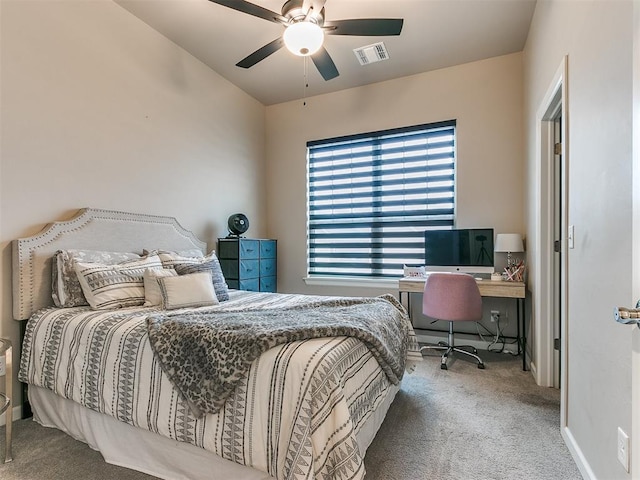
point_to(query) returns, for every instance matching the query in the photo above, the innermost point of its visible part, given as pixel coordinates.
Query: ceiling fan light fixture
(303, 38)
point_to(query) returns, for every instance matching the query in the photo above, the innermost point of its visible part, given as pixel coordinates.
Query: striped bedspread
(295, 415)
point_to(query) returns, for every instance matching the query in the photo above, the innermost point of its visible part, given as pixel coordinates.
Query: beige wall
(484, 97)
(99, 110)
(596, 36)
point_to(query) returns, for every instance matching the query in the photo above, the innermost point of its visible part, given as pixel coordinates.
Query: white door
(550, 236)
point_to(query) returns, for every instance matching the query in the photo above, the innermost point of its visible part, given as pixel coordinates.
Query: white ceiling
(436, 34)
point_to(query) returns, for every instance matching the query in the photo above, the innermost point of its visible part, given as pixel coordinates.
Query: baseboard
(432, 337)
(16, 415)
(577, 454)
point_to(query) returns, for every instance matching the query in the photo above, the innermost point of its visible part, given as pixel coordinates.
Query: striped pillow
(66, 289)
(171, 259)
(115, 286)
(209, 264)
(152, 293)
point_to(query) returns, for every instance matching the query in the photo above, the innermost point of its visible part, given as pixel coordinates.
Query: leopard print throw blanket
(206, 353)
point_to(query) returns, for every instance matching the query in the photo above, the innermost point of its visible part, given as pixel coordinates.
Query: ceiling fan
(306, 28)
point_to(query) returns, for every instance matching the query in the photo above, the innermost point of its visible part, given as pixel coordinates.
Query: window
(372, 196)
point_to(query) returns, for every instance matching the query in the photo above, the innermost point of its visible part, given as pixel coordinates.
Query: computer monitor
(468, 250)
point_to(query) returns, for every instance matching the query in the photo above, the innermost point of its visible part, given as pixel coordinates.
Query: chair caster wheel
(443, 366)
(481, 366)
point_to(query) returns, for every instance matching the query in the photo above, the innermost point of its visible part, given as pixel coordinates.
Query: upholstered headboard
(90, 229)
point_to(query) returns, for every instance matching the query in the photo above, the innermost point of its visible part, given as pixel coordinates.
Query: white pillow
(193, 290)
(152, 293)
(115, 286)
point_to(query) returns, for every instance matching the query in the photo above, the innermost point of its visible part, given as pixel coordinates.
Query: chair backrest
(452, 297)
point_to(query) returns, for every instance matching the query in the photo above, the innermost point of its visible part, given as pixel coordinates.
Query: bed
(116, 378)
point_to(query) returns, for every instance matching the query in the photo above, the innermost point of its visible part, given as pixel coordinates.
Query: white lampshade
(509, 242)
(303, 38)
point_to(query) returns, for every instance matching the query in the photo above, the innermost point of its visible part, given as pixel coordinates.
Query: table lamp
(509, 242)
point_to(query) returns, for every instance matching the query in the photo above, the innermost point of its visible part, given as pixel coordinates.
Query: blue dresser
(248, 263)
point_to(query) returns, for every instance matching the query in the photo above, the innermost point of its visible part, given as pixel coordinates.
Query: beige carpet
(464, 424)
(460, 424)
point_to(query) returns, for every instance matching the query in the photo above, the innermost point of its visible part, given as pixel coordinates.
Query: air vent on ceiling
(371, 53)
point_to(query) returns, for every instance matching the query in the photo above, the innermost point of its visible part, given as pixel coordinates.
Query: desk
(488, 288)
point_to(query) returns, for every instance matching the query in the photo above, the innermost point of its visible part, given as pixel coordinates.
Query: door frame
(558, 234)
(635, 251)
(554, 101)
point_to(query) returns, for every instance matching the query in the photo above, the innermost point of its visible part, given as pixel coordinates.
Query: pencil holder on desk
(515, 272)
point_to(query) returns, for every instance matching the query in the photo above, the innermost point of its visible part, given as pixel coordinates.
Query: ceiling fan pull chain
(306, 83)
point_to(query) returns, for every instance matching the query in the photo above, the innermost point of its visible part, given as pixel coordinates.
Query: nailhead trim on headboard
(90, 229)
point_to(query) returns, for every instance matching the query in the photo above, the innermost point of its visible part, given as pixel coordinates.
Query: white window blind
(372, 196)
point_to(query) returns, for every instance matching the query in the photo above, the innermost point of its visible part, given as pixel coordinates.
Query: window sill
(386, 283)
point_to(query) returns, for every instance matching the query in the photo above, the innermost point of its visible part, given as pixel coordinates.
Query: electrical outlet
(495, 315)
(623, 449)
(3, 366)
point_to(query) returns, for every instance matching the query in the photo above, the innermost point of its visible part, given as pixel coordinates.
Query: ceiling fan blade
(375, 27)
(252, 9)
(323, 62)
(261, 53)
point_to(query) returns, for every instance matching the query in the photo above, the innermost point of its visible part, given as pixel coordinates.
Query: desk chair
(452, 297)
